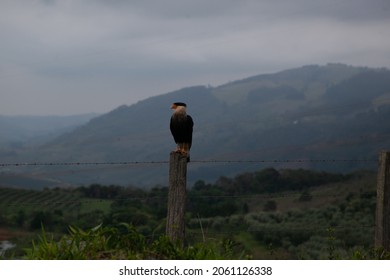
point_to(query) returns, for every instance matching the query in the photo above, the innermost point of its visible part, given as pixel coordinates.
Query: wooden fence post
(175, 228)
(382, 227)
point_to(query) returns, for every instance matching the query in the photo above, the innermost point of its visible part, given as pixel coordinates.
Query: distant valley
(298, 118)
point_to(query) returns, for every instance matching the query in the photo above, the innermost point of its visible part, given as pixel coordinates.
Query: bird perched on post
(181, 126)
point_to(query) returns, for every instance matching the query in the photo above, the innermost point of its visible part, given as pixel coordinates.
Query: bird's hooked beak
(174, 106)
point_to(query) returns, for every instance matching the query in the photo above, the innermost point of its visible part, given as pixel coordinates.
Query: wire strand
(21, 164)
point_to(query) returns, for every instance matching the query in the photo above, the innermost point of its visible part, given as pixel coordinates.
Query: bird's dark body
(181, 126)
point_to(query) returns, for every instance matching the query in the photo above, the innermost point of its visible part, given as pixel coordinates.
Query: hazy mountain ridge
(23, 131)
(312, 112)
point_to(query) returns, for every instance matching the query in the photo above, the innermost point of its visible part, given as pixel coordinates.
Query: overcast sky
(67, 57)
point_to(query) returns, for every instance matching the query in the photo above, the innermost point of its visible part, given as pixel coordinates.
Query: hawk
(181, 127)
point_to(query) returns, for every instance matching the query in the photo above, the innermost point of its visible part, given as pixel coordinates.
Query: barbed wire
(21, 164)
(284, 160)
(164, 196)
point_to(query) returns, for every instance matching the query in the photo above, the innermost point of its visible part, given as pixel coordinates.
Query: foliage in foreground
(120, 242)
(124, 242)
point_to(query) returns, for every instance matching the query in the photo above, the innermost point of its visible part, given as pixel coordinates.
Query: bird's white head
(179, 107)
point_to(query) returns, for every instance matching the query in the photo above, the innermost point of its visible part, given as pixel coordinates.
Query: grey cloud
(106, 53)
